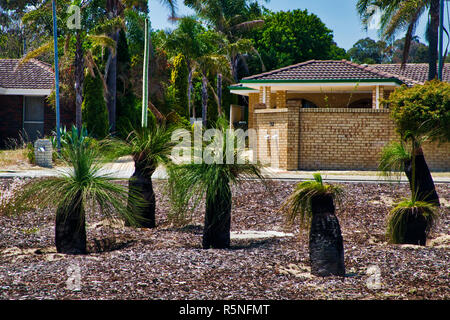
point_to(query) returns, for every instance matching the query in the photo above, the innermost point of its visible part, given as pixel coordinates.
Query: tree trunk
(219, 94)
(189, 92)
(70, 231)
(415, 229)
(326, 249)
(432, 35)
(79, 78)
(112, 87)
(423, 186)
(204, 100)
(141, 183)
(216, 232)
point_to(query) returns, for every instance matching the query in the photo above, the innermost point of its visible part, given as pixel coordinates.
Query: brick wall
(11, 117)
(278, 131)
(352, 139)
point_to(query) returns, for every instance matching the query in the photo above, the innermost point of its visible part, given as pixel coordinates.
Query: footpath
(123, 169)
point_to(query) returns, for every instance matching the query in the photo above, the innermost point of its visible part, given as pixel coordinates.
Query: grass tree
(421, 114)
(83, 186)
(410, 221)
(209, 182)
(150, 147)
(312, 205)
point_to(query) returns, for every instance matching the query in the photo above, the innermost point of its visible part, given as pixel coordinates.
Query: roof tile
(33, 74)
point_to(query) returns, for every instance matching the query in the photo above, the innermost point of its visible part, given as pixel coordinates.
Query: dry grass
(13, 158)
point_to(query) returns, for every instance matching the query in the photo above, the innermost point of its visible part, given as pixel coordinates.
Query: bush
(95, 113)
(30, 153)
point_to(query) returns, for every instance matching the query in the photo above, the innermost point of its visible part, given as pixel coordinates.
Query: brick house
(24, 111)
(328, 114)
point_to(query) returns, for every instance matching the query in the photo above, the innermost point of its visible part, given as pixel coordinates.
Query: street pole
(55, 45)
(441, 39)
(145, 76)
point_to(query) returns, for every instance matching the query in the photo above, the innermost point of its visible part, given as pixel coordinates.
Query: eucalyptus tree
(404, 15)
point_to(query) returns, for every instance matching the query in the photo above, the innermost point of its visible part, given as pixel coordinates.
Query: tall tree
(232, 19)
(368, 51)
(88, 36)
(404, 15)
(292, 37)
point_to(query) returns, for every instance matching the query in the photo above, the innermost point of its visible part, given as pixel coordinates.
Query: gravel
(168, 263)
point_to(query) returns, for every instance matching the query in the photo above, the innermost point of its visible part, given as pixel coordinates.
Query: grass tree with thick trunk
(84, 186)
(150, 147)
(209, 182)
(311, 204)
(421, 115)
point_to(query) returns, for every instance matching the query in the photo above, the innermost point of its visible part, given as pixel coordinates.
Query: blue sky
(338, 15)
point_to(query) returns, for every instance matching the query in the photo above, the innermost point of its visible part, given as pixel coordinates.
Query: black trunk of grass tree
(141, 184)
(70, 231)
(415, 228)
(216, 232)
(410, 222)
(312, 204)
(422, 185)
(326, 249)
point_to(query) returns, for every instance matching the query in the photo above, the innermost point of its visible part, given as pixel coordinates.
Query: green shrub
(94, 111)
(30, 153)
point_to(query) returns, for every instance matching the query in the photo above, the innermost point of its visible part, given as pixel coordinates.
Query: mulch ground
(168, 263)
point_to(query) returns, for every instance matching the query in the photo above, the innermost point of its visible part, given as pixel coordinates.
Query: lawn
(168, 263)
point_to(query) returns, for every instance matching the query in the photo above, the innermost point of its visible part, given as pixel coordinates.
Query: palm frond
(46, 47)
(103, 41)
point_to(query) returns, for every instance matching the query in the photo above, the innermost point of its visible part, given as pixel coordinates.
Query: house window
(33, 118)
(362, 103)
(308, 104)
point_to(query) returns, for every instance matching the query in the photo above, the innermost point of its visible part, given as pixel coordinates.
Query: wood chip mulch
(168, 263)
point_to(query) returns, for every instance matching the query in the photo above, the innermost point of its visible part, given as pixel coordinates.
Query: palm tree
(312, 205)
(147, 46)
(229, 18)
(84, 186)
(210, 181)
(405, 14)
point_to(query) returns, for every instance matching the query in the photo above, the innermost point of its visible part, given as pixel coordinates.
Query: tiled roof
(33, 74)
(336, 70)
(414, 71)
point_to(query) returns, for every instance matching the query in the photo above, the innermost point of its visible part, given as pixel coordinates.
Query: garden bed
(168, 263)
